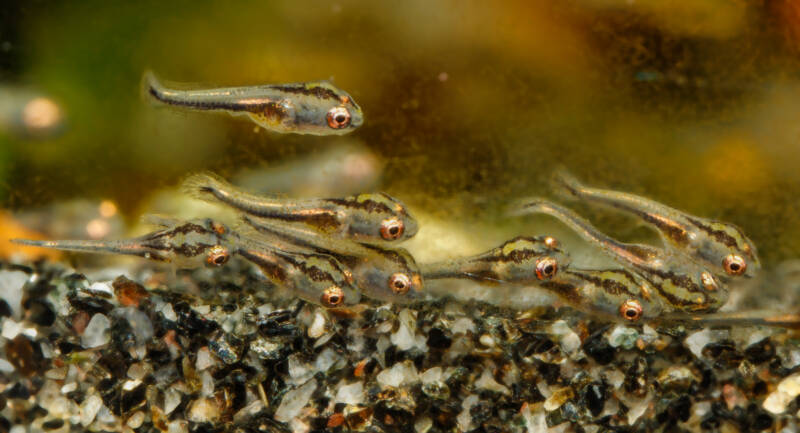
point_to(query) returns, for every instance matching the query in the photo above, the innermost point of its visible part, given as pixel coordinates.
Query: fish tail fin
(528, 206)
(151, 88)
(565, 184)
(205, 186)
(88, 246)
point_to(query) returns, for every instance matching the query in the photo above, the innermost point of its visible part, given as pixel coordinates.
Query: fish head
(739, 255)
(323, 109)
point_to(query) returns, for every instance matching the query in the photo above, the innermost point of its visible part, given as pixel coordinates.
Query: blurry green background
(471, 104)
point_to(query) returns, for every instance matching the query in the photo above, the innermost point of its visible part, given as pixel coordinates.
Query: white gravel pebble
(399, 374)
(294, 401)
(96, 332)
(789, 388)
(350, 394)
(89, 408)
(204, 359)
(11, 283)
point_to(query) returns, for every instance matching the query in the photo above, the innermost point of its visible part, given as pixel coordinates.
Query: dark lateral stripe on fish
(322, 219)
(370, 206)
(565, 291)
(185, 250)
(515, 256)
(313, 272)
(263, 262)
(391, 255)
(316, 91)
(266, 106)
(672, 299)
(608, 285)
(674, 231)
(719, 235)
(681, 281)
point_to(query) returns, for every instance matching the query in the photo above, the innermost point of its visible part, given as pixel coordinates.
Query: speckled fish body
(313, 277)
(721, 247)
(523, 260)
(385, 274)
(183, 243)
(317, 108)
(681, 283)
(612, 293)
(368, 218)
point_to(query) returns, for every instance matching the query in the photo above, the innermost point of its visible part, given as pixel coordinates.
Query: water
(468, 105)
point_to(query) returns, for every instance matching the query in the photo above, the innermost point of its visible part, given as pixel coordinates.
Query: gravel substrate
(220, 351)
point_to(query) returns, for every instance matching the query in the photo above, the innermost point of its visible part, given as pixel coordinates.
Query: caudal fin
(151, 88)
(206, 186)
(566, 185)
(529, 206)
(79, 246)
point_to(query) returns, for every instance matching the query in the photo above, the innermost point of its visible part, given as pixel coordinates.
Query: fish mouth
(357, 121)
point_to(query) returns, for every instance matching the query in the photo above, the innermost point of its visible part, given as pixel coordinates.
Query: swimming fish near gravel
(375, 218)
(681, 283)
(385, 274)
(722, 247)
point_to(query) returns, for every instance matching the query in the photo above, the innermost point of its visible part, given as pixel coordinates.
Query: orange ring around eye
(338, 117)
(392, 229)
(734, 265)
(631, 310)
(333, 296)
(400, 283)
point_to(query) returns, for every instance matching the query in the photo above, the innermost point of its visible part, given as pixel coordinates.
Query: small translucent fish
(680, 283)
(313, 277)
(183, 243)
(317, 108)
(384, 274)
(522, 260)
(367, 218)
(611, 293)
(723, 248)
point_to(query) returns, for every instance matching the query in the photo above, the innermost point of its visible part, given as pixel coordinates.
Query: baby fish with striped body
(723, 248)
(610, 293)
(185, 244)
(522, 260)
(680, 283)
(366, 218)
(317, 108)
(313, 277)
(538, 261)
(316, 278)
(385, 274)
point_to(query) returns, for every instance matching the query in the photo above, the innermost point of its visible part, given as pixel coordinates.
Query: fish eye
(734, 265)
(631, 310)
(546, 268)
(399, 283)
(338, 117)
(333, 296)
(218, 256)
(709, 283)
(551, 242)
(392, 229)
